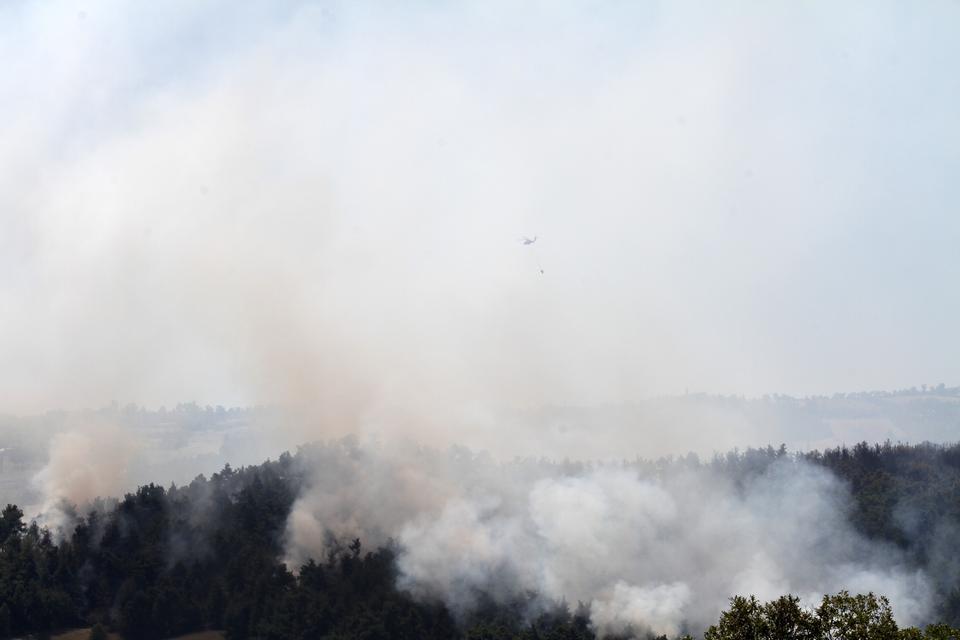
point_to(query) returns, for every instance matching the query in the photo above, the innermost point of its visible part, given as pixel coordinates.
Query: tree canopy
(209, 555)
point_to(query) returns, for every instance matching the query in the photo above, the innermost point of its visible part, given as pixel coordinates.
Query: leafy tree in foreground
(860, 617)
(839, 617)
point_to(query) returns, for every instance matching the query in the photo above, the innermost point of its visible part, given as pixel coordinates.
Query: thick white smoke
(317, 204)
(659, 551)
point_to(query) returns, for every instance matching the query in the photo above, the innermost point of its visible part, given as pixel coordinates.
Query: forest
(160, 562)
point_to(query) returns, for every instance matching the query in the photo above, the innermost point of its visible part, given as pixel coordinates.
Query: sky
(320, 203)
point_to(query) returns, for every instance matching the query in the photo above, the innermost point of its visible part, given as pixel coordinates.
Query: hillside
(160, 563)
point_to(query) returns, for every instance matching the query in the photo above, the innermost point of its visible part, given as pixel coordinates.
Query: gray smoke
(315, 205)
(655, 549)
(87, 461)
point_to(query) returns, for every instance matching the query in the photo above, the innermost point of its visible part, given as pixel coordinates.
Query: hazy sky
(321, 201)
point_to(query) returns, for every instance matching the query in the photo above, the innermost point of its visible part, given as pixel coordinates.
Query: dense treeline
(907, 495)
(162, 562)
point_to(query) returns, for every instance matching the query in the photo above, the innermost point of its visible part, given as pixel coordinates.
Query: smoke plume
(316, 205)
(86, 462)
(649, 549)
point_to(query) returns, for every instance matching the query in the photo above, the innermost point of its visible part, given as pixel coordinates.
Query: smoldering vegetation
(659, 546)
(652, 546)
(445, 543)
